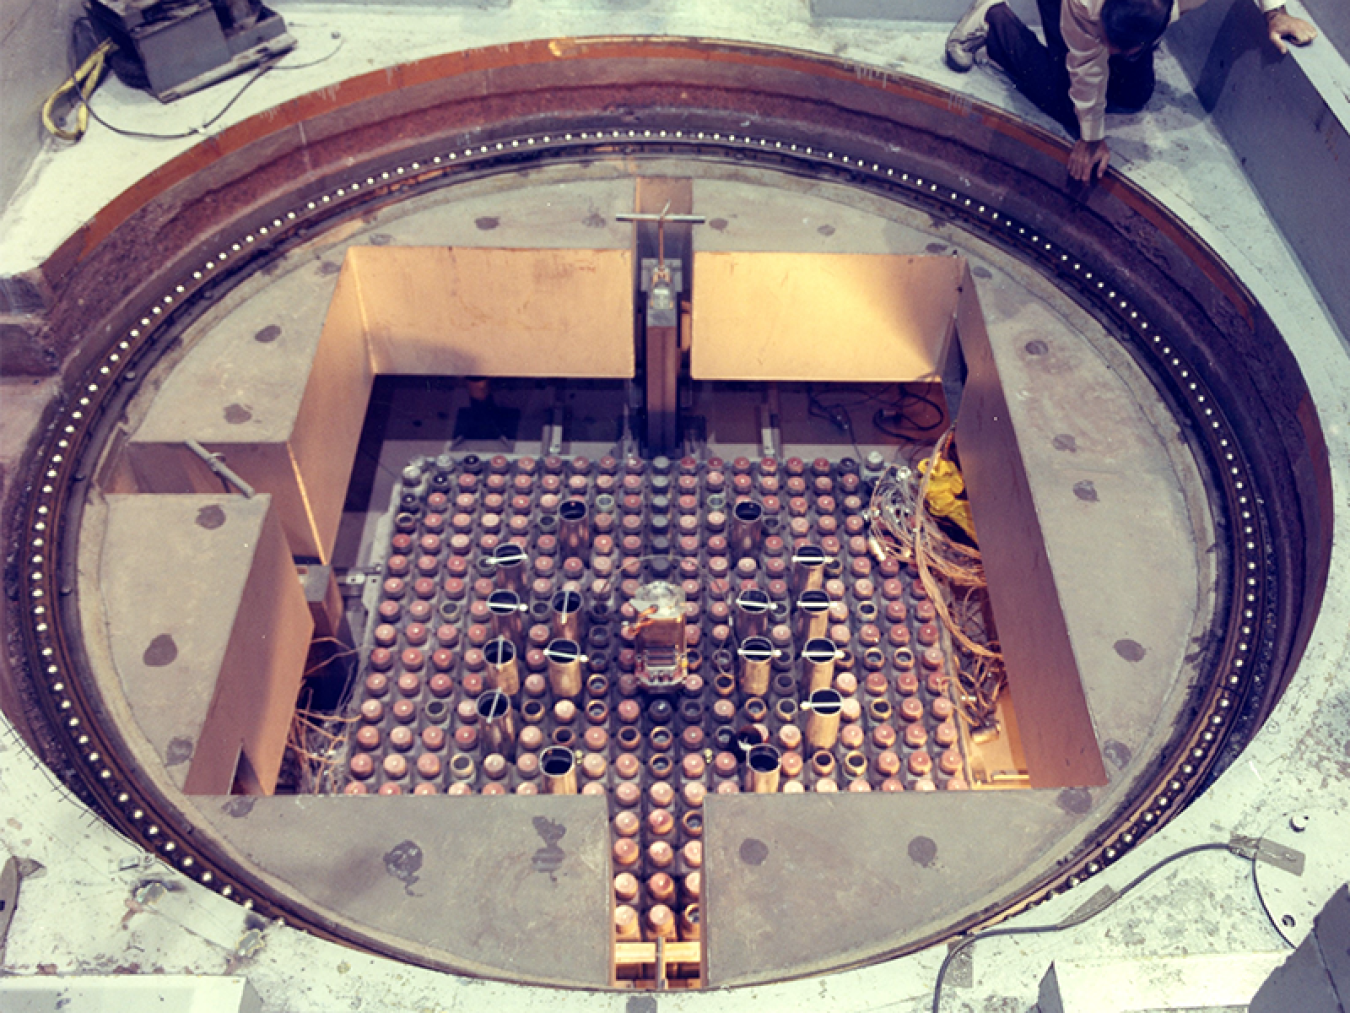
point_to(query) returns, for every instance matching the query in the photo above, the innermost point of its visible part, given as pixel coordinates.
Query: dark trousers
(1039, 72)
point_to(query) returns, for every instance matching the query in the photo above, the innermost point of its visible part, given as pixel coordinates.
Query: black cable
(881, 420)
(1074, 920)
(144, 135)
(835, 413)
(314, 63)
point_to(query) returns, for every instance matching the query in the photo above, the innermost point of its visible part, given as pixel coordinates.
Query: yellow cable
(85, 80)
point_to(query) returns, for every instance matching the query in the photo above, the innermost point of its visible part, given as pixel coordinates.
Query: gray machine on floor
(186, 45)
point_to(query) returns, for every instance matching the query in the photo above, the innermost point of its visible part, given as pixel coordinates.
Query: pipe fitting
(501, 671)
(564, 659)
(756, 662)
(496, 723)
(822, 725)
(559, 768)
(763, 766)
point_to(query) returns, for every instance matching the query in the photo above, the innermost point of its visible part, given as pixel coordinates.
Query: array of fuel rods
(651, 631)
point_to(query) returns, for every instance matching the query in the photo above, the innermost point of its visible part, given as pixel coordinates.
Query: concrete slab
(514, 886)
(1209, 981)
(803, 882)
(171, 993)
(208, 630)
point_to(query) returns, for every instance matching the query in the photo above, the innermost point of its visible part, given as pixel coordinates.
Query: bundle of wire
(952, 574)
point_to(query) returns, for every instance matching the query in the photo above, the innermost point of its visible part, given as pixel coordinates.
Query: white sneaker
(967, 38)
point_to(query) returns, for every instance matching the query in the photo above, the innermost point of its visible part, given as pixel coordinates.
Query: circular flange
(1303, 862)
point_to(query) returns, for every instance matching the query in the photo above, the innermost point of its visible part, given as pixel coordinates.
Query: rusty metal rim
(65, 457)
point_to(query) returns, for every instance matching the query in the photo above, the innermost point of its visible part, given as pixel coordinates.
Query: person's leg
(1131, 83)
(1049, 11)
(1037, 70)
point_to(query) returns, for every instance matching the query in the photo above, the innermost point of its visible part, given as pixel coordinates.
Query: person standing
(1097, 58)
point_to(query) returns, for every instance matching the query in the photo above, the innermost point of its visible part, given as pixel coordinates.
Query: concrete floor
(1206, 904)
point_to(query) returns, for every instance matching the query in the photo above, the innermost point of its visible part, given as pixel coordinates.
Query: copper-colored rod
(501, 671)
(756, 656)
(497, 724)
(512, 571)
(574, 528)
(565, 677)
(822, 726)
(813, 614)
(808, 568)
(763, 766)
(818, 658)
(559, 766)
(567, 615)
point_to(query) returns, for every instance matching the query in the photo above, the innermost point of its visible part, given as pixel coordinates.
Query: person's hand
(1283, 25)
(1087, 158)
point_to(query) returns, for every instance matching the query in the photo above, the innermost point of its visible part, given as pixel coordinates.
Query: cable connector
(1261, 849)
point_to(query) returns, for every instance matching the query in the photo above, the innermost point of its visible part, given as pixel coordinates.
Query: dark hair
(1135, 24)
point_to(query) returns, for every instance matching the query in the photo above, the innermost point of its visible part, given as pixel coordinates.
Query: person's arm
(1087, 63)
(1282, 25)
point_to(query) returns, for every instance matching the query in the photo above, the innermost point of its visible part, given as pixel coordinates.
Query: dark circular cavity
(493, 705)
(499, 652)
(763, 759)
(747, 511)
(561, 651)
(756, 649)
(557, 761)
(826, 701)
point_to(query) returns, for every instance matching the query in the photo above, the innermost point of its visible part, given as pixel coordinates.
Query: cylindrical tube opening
(746, 528)
(500, 668)
(512, 571)
(462, 767)
(565, 677)
(504, 610)
(629, 738)
(756, 654)
(808, 568)
(691, 923)
(764, 763)
(813, 614)
(559, 767)
(855, 764)
(752, 614)
(818, 658)
(574, 529)
(497, 725)
(822, 724)
(567, 615)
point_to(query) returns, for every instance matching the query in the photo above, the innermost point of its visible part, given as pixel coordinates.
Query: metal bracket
(1263, 850)
(553, 430)
(1294, 883)
(770, 438)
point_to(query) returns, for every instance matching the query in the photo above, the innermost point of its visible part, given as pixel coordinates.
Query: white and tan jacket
(1080, 22)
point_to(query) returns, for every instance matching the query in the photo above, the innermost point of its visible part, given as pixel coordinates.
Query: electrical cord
(253, 79)
(833, 413)
(894, 420)
(82, 82)
(1242, 847)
